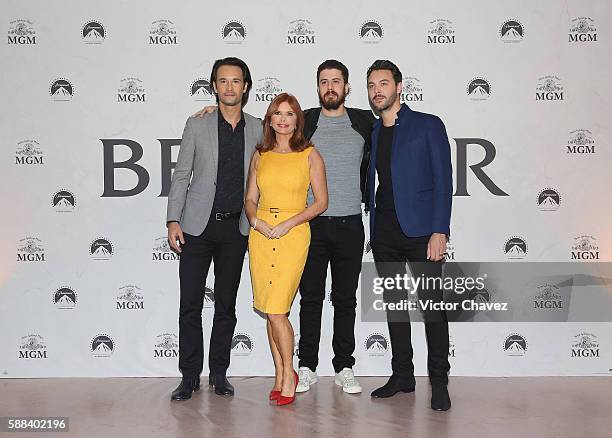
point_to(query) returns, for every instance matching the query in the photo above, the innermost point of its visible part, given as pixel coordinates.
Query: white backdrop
(531, 79)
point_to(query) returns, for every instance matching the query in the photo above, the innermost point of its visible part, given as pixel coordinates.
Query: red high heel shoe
(274, 394)
(282, 400)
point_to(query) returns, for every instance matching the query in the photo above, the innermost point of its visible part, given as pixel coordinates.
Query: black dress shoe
(393, 386)
(185, 388)
(221, 385)
(440, 400)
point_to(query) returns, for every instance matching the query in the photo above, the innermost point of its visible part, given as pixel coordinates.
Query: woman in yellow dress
(282, 169)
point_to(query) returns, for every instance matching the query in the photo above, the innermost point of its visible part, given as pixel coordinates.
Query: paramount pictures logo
(93, 32)
(162, 33)
(515, 248)
(131, 90)
(32, 347)
(512, 31)
(63, 201)
(201, 90)
(376, 345)
(242, 345)
(412, 91)
(441, 32)
(580, 142)
(233, 32)
(28, 153)
(101, 249)
(209, 298)
(102, 346)
(61, 90)
(21, 32)
(515, 345)
(549, 199)
(479, 89)
(30, 249)
(479, 296)
(166, 346)
(129, 298)
(300, 32)
(585, 345)
(371, 32)
(65, 298)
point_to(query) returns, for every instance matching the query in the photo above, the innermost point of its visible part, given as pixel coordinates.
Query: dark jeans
(337, 241)
(391, 249)
(222, 243)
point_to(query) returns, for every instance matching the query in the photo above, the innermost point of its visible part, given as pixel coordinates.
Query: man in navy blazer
(409, 221)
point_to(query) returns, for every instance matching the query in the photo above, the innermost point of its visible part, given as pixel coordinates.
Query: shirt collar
(222, 120)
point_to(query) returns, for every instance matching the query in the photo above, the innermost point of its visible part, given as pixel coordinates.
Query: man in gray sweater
(342, 136)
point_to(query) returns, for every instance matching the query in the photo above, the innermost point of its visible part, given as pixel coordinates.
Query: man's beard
(385, 105)
(332, 105)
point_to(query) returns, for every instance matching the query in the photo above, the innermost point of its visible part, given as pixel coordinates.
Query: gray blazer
(194, 181)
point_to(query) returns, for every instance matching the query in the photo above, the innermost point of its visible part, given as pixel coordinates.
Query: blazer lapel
(214, 141)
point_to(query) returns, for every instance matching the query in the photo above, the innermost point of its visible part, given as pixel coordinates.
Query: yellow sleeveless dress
(277, 264)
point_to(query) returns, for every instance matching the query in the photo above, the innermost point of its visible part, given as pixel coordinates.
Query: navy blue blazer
(421, 173)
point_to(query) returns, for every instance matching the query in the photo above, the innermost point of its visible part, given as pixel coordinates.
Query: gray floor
(482, 408)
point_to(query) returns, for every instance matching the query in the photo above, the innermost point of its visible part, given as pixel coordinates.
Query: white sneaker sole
(354, 390)
(305, 388)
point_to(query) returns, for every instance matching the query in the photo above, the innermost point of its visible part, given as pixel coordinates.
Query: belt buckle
(274, 210)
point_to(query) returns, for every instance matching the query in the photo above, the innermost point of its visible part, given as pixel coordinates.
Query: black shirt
(229, 196)
(384, 193)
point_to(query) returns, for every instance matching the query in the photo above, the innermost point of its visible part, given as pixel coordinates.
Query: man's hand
(436, 248)
(263, 227)
(206, 110)
(280, 230)
(175, 235)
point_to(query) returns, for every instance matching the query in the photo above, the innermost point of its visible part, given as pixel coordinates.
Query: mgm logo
(585, 248)
(585, 345)
(30, 249)
(32, 347)
(166, 346)
(162, 33)
(300, 32)
(267, 89)
(129, 298)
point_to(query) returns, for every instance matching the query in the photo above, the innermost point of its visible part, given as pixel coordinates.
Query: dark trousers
(391, 249)
(337, 241)
(222, 243)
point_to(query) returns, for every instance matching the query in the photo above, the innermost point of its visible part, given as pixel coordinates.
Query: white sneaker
(306, 377)
(346, 379)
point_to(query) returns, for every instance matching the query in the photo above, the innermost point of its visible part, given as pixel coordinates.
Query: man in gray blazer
(206, 222)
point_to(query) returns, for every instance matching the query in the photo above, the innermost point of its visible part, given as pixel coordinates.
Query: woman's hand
(206, 110)
(281, 229)
(264, 228)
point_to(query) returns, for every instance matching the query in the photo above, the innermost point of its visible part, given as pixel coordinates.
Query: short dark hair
(385, 64)
(246, 74)
(333, 63)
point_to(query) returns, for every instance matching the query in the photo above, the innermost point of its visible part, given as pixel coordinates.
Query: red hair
(297, 142)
